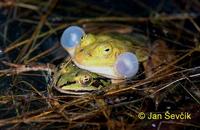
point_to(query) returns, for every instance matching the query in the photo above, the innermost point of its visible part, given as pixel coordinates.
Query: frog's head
(105, 55)
(70, 79)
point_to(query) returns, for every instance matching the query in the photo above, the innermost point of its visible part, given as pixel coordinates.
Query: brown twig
(19, 68)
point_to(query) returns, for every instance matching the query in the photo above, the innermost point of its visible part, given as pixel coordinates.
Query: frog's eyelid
(127, 65)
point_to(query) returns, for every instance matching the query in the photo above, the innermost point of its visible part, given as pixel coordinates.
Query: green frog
(104, 55)
(70, 79)
(107, 55)
(113, 56)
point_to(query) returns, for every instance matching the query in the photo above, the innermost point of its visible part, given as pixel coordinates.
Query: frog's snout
(81, 50)
(127, 65)
(71, 37)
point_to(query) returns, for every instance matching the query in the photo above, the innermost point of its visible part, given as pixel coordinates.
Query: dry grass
(29, 35)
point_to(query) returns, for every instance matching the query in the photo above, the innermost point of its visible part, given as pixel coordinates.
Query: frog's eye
(127, 64)
(72, 36)
(85, 79)
(105, 49)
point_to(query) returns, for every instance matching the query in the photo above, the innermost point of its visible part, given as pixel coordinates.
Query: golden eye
(85, 79)
(105, 49)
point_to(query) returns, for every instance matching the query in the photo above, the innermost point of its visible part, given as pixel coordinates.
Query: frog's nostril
(81, 50)
(89, 54)
(71, 36)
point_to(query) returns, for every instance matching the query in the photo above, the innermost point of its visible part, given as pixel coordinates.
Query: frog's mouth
(73, 92)
(67, 83)
(68, 88)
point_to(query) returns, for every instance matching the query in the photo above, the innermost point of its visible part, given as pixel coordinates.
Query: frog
(70, 79)
(66, 78)
(112, 56)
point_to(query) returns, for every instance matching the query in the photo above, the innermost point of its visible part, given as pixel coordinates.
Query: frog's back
(135, 43)
(135, 38)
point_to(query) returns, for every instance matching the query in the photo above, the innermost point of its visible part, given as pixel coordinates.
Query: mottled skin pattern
(70, 79)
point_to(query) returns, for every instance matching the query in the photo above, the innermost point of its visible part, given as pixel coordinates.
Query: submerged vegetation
(30, 32)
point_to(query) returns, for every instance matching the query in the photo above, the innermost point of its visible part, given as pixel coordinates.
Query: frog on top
(109, 56)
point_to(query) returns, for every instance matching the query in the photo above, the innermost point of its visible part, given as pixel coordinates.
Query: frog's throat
(108, 72)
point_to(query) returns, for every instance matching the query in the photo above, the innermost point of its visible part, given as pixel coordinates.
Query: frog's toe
(71, 37)
(127, 65)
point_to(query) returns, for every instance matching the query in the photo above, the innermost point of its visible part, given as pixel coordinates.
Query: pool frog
(112, 56)
(70, 79)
